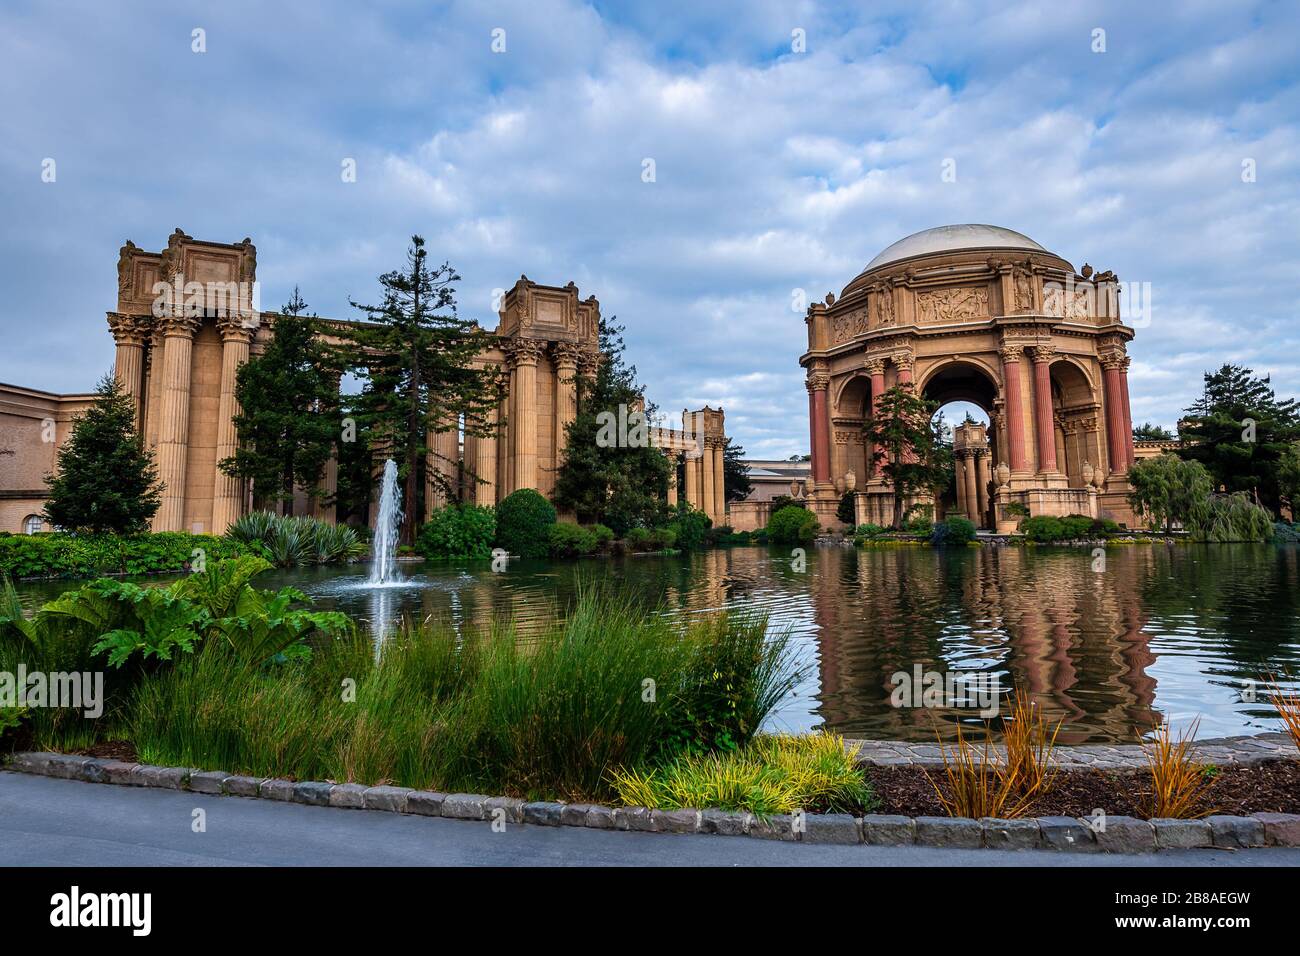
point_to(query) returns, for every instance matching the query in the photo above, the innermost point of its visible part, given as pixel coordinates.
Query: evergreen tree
(911, 447)
(735, 473)
(289, 410)
(1240, 431)
(1149, 432)
(419, 373)
(622, 483)
(106, 479)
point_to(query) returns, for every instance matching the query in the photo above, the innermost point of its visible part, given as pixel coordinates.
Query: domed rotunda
(986, 315)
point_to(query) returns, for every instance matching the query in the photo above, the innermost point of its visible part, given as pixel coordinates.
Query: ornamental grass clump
(979, 784)
(1287, 703)
(773, 774)
(1028, 744)
(1179, 784)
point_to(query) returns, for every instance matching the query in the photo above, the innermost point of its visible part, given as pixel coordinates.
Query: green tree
(613, 474)
(1149, 432)
(289, 411)
(1168, 489)
(1239, 430)
(1288, 479)
(106, 480)
(735, 473)
(911, 447)
(419, 374)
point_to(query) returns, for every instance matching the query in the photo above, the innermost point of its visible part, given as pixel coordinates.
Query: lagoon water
(1181, 632)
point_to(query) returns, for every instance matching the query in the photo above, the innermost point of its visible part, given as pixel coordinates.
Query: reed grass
(1178, 783)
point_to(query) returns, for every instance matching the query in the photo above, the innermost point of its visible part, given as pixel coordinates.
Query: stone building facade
(187, 317)
(988, 316)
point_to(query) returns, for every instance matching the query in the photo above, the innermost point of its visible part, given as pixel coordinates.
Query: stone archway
(974, 444)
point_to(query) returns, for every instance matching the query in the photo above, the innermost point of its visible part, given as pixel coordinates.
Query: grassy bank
(612, 686)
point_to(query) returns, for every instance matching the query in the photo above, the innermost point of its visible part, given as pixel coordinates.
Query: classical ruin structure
(985, 315)
(187, 318)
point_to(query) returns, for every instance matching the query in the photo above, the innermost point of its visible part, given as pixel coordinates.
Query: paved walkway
(1221, 750)
(49, 822)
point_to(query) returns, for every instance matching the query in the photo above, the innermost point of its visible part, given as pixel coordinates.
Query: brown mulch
(1271, 786)
(111, 750)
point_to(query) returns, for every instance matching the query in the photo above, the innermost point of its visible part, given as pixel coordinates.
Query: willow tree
(415, 356)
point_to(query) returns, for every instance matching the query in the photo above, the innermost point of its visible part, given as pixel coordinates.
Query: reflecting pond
(1182, 631)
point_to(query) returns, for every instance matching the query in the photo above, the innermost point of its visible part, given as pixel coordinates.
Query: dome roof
(951, 239)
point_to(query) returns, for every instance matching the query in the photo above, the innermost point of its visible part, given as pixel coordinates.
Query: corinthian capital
(129, 329)
(524, 351)
(237, 328)
(1044, 353)
(1011, 353)
(566, 354)
(178, 325)
(818, 381)
(874, 366)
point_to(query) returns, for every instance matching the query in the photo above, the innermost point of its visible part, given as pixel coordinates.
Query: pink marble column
(818, 383)
(1015, 408)
(1116, 444)
(876, 367)
(1044, 426)
(1128, 413)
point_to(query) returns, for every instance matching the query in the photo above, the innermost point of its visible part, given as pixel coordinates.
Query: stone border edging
(1121, 835)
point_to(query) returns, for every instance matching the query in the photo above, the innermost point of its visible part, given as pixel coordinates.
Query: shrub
(458, 531)
(651, 539)
(955, 531)
(1043, 528)
(568, 540)
(870, 531)
(773, 775)
(793, 524)
(61, 555)
(919, 520)
(845, 511)
(604, 536)
(290, 541)
(690, 527)
(524, 520)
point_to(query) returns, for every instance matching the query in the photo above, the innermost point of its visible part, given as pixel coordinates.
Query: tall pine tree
(289, 416)
(735, 473)
(912, 449)
(622, 483)
(419, 374)
(106, 479)
(1240, 431)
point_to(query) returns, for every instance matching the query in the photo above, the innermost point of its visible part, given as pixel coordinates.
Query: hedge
(65, 555)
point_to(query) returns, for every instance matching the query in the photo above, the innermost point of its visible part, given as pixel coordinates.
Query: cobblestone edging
(1120, 835)
(1220, 751)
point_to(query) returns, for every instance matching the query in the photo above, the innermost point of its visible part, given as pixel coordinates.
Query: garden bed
(1271, 786)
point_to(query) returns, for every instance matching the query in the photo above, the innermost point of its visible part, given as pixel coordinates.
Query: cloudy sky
(775, 169)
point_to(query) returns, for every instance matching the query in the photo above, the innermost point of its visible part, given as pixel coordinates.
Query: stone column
(959, 463)
(153, 387)
(693, 482)
(524, 354)
(719, 485)
(876, 369)
(485, 460)
(1116, 444)
(130, 333)
(672, 480)
(818, 383)
(174, 420)
(1015, 409)
(982, 479)
(972, 489)
(706, 466)
(903, 363)
(1131, 455)
(565, 357)
(1044, 422)
(227, 491)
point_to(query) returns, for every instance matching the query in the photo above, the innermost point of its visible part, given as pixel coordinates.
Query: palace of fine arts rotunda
(984, 315)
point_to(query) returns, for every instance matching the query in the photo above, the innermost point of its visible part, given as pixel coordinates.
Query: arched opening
(967, 395)
(851, 408)
(33, 524)
(1076, 417)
